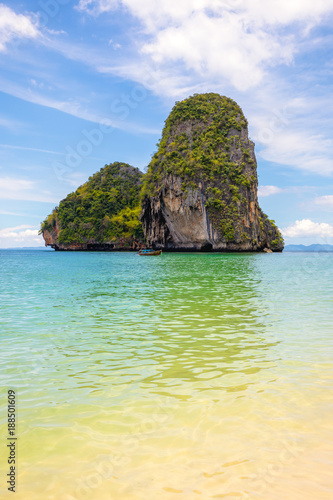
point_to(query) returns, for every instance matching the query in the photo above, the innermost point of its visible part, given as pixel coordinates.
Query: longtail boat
(150, 251)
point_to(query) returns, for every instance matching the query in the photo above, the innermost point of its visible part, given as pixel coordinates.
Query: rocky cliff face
(200, 191)
(51, 239)
(102, 214)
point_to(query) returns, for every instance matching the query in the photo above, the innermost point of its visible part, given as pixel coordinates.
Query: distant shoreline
(314, 248)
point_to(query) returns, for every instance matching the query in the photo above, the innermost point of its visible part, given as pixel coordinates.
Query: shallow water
(176, 377)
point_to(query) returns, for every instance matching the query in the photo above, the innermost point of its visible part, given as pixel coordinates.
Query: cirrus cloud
(300, 150)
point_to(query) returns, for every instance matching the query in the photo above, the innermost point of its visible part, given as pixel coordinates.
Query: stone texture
(177, 219)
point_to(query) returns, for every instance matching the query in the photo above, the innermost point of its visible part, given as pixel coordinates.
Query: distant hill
(310, 248)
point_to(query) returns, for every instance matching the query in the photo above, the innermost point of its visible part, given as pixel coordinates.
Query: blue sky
(89, 82)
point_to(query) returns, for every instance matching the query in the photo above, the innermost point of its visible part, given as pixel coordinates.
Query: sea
(176, 377)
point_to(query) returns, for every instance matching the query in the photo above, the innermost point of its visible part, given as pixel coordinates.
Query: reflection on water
(183, 376)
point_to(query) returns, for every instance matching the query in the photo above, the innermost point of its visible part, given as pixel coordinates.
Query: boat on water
(150, 251)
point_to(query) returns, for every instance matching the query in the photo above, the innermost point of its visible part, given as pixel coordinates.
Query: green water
(181, 376)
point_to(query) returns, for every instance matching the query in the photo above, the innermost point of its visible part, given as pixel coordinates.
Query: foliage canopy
(104, 209)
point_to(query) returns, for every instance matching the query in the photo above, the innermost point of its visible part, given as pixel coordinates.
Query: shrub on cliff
(205, 144)
(103, 210)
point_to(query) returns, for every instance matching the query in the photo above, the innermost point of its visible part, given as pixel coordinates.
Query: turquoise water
(180, 376)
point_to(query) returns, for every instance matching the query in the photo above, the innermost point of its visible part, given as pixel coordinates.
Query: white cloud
(268, 190)
(235, 41)
(155, 12)
(220, 47)
(13, 26)
(325, 202)
(306, 227)
(11, 184)
(23, 235)
(285, 11)
(299, 149)
(21, 189)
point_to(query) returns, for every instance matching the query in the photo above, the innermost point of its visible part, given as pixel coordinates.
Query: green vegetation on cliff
(205, 143)
(105, 209)
(196, 139)
(206, 152)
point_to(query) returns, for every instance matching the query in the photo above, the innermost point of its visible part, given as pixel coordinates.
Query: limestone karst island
(199, 193)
